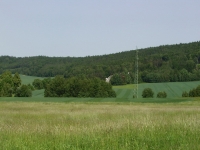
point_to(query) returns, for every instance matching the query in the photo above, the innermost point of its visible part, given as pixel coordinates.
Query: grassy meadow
(102, 123)
(39, 125)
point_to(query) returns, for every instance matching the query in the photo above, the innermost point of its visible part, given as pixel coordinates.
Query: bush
(147, 93)
(192, 93)
(185, 94)
(195, 92)
(162, 94)
(38, 84)
(198, 91)
(23, 91)
(30, 86)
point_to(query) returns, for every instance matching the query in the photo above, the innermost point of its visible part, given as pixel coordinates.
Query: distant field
(28, 79)
(91, 126)
(125, 92)
(173, 89)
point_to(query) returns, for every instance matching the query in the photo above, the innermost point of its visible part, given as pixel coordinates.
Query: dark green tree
(16, 82)
(147, 93)
(38, 84)
(192, 93)
(116, 79)
(6, 90)
(23, 91)
(185, 94)
(6, 77)
(165, 57)
(6, 84)
(190, 65)
(162, 94)
(30, 86)
(56, 88)
(78, 87)
(197, 91)
(46, 82)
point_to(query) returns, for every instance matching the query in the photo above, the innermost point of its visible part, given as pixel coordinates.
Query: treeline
(77, 87)
(11, 86)
(74, 87)
(167, 63)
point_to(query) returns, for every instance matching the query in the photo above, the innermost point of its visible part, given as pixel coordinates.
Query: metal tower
(136, 75)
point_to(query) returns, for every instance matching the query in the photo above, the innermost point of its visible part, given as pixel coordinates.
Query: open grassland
(38, 125)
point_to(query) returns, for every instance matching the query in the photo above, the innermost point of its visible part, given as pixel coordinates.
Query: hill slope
(166, 63)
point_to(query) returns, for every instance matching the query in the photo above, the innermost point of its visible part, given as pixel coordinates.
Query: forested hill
(179, 62)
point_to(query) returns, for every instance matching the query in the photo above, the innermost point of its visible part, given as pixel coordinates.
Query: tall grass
(92, 126)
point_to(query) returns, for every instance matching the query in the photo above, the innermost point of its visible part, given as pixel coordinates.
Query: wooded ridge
(166, 63)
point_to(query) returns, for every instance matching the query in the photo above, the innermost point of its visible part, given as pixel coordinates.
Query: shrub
(162, 94)
(192, 93)
(147, 93)
(38, 84)
(30, 86)
(198, 91)
(23, 91)
(195, 92)
(185, 94)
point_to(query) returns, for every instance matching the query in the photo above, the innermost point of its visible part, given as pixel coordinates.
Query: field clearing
(173, 89)
(39, 125)
(28, 79)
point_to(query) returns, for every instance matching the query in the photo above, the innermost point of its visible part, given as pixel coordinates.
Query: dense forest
(166, 63)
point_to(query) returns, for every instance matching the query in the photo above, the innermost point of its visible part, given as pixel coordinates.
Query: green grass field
(89, 126)
(28, 79)
(173, 89)
(102, 123)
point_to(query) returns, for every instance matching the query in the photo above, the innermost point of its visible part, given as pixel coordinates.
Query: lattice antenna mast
(136, 74)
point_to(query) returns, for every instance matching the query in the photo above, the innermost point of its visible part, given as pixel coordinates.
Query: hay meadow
(120, 123)
(99, 125)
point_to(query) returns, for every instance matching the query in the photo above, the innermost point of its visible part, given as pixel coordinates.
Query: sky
(79, 28)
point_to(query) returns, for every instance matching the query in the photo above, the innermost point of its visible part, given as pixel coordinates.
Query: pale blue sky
(94, 27)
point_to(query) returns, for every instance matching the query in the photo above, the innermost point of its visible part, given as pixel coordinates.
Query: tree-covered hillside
(179, 62)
